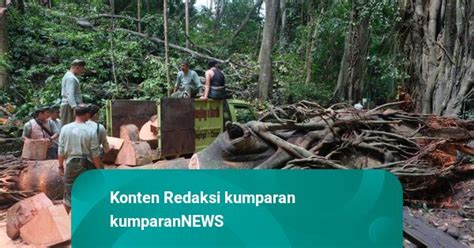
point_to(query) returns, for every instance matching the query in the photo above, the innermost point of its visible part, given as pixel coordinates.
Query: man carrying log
(98, 128)
(78, 149)
(188, 83)
(71, 91)
(40, 127)
(215, 82)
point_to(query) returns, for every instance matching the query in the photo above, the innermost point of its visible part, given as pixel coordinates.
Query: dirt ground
(456, 218)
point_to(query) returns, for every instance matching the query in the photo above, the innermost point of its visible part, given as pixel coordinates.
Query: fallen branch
(179, 48)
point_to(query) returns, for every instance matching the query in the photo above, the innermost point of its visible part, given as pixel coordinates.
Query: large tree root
(419, 149)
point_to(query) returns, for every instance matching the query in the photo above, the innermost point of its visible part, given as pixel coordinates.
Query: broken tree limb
(179, 48)
(113, 16)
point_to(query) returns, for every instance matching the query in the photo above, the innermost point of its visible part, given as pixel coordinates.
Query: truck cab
(183, 126)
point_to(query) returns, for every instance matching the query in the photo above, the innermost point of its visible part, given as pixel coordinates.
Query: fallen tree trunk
(179, 48)
(423, 150)
(21, 179)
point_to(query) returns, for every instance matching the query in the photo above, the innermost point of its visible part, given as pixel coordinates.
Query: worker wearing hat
(71, 91)
(41, 128)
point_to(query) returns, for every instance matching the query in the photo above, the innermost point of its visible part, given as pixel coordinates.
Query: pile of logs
(134, 148)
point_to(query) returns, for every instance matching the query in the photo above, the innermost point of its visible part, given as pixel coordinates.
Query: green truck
(184, 126)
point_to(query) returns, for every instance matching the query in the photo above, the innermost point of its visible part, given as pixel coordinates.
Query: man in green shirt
(78, 150)
(188, 84)
(71, 91)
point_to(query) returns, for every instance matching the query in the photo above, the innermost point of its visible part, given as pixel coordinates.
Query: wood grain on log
(22, 212)
(35, 149)
(51, 226)
(134, 154)
(129, 133)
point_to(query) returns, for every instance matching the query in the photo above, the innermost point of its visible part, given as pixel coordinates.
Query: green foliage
(43, 42)
(384, 65)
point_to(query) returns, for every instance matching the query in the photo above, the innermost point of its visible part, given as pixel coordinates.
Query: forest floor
(456, 216)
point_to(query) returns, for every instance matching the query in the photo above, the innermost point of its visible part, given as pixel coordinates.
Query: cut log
(154, 124)
(129, 132)
(51, 226)
(35, 149)
(134, 154)
(148, 136)
(115, 145)
(42, 176)
(22, 212)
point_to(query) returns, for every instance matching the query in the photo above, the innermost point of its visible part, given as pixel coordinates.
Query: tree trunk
(139, 16)
(186, 4)
(310, 41)
(167, 62)
(282, 39)
(439, 47)
(3, 44)
(265, 79)
(353, 64)
(220, 6)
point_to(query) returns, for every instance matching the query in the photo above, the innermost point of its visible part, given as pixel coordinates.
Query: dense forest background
(272, 51)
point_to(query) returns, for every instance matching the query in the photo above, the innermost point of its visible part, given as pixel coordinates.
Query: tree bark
(265, 77)
(220, 6)
(167, 62)
(112, 53)
(139, 16)
(441, 66)
(310, 41)
(3, 44)
(353, 64)
(282, 39)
